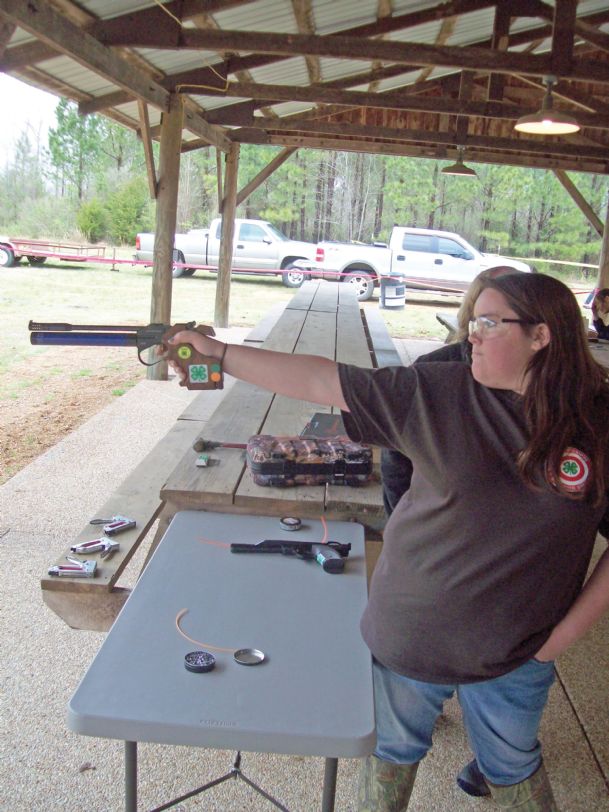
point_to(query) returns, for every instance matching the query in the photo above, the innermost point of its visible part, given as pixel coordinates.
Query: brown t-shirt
(476, 567)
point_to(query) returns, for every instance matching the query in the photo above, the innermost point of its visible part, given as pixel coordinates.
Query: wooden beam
(402, 134)
(580, 200)
(195, 122)
(433, 152)
(500, 42)
(603, 271)
(394, 100)
(268, 170)
(563, 25)
(225, 260)
(164, 234)
(6, 32)
(38, 18)
(21, 56)
(304, 20)
(465, 94)
(562, 91)
(219, 178)
(153, 183)
(350, 47)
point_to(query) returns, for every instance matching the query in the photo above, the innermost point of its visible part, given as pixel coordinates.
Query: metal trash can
(393, 293)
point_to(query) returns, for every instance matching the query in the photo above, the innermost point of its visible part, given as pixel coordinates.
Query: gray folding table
(312, 695)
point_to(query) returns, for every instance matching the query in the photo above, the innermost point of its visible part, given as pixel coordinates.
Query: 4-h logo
(574, 470)
(197, 373)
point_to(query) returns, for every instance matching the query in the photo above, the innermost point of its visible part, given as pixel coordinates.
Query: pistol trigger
(145, 363)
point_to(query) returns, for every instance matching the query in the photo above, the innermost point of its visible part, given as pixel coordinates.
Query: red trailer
(13, 249)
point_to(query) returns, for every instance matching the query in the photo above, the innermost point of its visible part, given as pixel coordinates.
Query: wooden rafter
(394, 100)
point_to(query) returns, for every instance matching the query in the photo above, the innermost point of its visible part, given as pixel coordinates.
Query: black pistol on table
(202, 371)
(330, 556)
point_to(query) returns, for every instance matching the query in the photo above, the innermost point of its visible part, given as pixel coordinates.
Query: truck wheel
(7, 257)
(176, 272)
(292, 277)
(363, 284)
(188, 271)
(36, 260)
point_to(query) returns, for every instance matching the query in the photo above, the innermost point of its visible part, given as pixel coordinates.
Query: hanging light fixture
(459, 168)
(548, 121)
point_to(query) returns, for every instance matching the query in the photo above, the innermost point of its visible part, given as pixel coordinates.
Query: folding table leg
(327, 801)
(130, 776)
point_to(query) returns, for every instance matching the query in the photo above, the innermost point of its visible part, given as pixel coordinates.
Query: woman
(479, 584)
(600, 314)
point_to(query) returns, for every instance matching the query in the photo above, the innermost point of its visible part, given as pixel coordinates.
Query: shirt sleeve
(601, 329)
(379, 402)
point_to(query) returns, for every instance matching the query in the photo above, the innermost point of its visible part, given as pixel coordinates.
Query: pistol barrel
(84, 339)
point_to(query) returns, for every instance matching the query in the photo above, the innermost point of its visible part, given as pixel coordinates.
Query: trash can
(393, 293)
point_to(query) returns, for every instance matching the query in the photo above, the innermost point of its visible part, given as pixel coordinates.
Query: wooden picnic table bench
(322, 318)
(449, 321)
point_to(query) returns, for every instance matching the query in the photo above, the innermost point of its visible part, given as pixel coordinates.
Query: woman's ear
(541, 336)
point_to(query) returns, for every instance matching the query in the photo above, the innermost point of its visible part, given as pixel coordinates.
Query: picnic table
(322, 318)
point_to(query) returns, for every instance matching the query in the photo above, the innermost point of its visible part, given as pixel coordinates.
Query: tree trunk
(378, 214)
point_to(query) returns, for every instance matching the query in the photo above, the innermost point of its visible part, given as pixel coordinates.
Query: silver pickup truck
(259, 248)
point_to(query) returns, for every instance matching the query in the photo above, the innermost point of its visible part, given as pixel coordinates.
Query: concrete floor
(45, 767)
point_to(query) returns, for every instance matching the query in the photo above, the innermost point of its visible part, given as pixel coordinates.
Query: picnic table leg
(165, 518)
(130, 776)
(327, 801)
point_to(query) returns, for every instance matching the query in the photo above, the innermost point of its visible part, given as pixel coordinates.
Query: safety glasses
(487, 327)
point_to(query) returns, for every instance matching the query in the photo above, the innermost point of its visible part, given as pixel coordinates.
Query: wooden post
(166, 212)
(225, 261)
(219, 179)
(603, 270)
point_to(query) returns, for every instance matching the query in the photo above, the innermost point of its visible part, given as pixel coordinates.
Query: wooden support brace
(268, 170)
(580, 200)
(153, 184)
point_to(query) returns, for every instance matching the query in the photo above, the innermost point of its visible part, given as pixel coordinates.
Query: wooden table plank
(303, 298)
(326, 298)
(321, 319)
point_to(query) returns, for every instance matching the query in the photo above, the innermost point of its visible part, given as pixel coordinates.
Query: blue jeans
(501, 716)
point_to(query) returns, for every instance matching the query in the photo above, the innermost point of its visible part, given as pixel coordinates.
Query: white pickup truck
(258, 248)
(425, 259)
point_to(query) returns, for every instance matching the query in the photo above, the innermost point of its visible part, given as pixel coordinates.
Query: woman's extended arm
(591, 604)
(306, 377)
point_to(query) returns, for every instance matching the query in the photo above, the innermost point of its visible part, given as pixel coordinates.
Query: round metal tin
(199, 661)
(249, 656)
(290, 523)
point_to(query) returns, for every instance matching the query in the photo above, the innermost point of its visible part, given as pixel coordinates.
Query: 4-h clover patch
(574, 470)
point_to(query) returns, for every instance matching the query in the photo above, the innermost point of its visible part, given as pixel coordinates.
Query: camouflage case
(287, 461)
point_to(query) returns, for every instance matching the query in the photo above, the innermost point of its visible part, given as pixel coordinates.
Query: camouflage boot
(532, 795)
(385, 786)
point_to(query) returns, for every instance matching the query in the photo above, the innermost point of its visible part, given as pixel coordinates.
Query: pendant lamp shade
(548, 121)
(459, 168)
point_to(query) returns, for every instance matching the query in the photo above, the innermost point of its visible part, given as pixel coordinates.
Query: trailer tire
(292, 277)
(36, 260)
(7, 257)
(362, 282)
(177, 272)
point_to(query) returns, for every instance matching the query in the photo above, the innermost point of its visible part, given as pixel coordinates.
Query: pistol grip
(202, 371)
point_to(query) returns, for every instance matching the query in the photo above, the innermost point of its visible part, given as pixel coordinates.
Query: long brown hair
(567, 397)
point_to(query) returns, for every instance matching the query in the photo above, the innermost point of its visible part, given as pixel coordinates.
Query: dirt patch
(52, 397)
